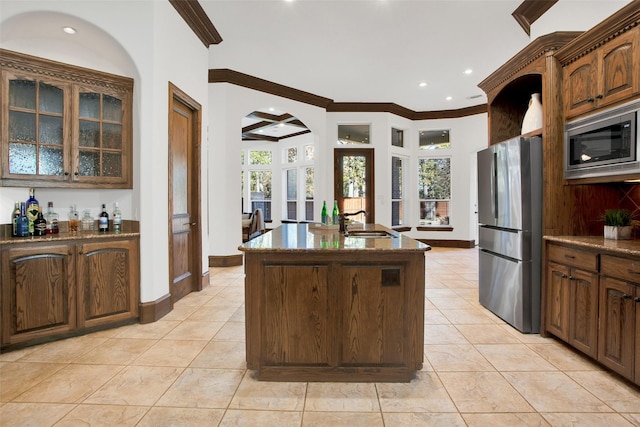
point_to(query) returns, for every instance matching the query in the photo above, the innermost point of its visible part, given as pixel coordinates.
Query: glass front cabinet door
(64, 126)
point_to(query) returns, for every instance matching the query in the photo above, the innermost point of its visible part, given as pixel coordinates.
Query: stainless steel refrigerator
(510, 231)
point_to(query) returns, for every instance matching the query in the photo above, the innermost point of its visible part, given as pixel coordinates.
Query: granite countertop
(626, 247)
(316, 237)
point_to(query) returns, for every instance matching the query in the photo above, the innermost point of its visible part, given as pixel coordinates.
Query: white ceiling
(369, 50)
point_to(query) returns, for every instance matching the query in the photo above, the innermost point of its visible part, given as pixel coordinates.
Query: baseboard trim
(154, 310)
(225, 260)
(464, 244)
(204, 280)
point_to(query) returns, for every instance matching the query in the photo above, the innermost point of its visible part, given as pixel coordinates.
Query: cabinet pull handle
(563, 276)
(569, 256)
(590, 99)
(571, 278)
(599, 96)
(633, 271)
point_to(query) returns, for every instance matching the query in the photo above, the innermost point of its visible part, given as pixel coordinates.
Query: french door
(353, 180)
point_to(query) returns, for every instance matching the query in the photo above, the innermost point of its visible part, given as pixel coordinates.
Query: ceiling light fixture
(468, 71)
(449, 98)
(422, 84)
(69, 30)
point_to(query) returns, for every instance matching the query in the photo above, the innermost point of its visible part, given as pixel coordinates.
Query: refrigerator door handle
(494, 185)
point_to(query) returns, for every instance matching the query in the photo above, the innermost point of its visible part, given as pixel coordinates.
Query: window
(434, 190)
(260, 175)
(299, 185)
(397, 137)
(397, 190)
(353, 134)
(434, 139)
(292, 194)
(309, 191)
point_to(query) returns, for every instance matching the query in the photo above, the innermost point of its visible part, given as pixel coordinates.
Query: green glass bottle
(324, 215)
(336, 213)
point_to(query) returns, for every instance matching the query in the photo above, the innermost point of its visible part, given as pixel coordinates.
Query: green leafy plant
(617, 217)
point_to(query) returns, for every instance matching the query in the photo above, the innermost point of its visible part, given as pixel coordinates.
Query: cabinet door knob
(626, 296)
(599, 96)
(590, 99)
(66, 174)
(637, 299)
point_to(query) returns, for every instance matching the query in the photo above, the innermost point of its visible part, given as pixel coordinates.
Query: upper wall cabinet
(602, 67)
(605, 76)
(64, 126)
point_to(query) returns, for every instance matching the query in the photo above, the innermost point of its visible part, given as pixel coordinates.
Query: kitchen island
(322, 306)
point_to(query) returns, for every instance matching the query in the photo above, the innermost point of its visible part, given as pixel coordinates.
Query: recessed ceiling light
(422, 84)
(449, 98)
(69, 30)
(468, 71)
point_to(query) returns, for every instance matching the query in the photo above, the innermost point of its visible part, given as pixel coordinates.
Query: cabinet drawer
(622, 268)
(573, 257)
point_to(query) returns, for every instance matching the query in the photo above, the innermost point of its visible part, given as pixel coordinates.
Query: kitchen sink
(371, 234)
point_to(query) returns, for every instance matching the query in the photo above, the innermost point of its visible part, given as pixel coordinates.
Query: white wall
(145, 40)
(575, 15)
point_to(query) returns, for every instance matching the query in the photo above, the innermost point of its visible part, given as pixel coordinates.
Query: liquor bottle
(103, 224)
(23, 221)
(52, 219)
(40, 224)
(14, 220)
(117, 219)
(324, 216)
(32, 209)
(336, 213)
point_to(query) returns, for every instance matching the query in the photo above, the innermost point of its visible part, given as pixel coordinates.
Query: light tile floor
(188, 369)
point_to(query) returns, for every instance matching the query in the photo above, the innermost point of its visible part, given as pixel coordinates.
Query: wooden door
(353, 182)
(619, 77)
(184, 195)
(616, 336)
(583, 323)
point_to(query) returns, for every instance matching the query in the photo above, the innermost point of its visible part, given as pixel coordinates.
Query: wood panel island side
(324, 307)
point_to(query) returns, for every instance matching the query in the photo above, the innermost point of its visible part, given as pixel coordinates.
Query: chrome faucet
(343, 224)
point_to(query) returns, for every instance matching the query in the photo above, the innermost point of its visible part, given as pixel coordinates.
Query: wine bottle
(32, 209)
(14, 220)
(52, 219)
(336, 213)
(117, 219)
(40, 224)
(324, 216)
(23, 221)
(103, 223)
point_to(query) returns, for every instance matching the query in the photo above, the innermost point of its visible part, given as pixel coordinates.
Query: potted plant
(617, 224)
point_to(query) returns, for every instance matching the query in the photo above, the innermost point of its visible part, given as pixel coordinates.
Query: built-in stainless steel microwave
(603, 144)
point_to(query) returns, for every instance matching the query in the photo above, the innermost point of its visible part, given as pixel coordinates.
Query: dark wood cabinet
(57, 289)
(608, 75)
(334, 314)
(571, 306)
(64, 126)
(107, 281)
(620, 315)
(617, 326)
(38, 292)
(591, 300)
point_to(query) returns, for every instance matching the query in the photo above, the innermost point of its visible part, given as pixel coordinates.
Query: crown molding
(529, 11)
(197, 19)
(224, 75)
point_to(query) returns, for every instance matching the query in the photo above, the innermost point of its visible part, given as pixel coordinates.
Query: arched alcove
(278, 166)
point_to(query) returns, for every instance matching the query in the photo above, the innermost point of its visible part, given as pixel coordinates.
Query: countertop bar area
(322, 306)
